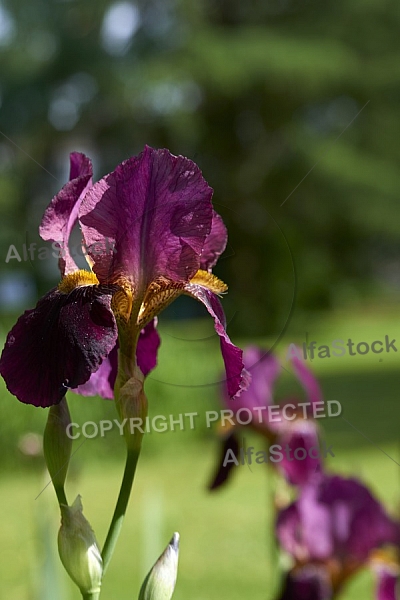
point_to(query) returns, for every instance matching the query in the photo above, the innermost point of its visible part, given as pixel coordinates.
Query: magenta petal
(289, 532)
(215, 243)
(264, 369)
(237, 378)
(58, 344)
(148, 344)
(62, 213)
(388, 582)
(156, 211)
(369, 526)
(101, 382)
(307, 380)
(299, 435)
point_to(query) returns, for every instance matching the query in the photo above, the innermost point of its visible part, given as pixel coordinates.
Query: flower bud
(56, 443)
(78, 549)
(160, 582)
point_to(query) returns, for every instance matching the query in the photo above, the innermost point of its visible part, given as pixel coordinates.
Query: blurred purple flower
(151, 234)
(295, 433)
(337, 523)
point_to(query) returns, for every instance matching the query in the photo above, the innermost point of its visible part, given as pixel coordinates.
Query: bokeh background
(291, 110)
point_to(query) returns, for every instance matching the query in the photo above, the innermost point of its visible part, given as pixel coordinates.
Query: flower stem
(94, 596)
(120, 508)
(61, 497)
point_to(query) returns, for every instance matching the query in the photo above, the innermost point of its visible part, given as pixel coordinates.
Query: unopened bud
(160, 582)
(57, 444)
(78, 549)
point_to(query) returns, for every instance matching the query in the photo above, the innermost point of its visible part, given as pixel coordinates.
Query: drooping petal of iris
(58, 344)
(150, 234)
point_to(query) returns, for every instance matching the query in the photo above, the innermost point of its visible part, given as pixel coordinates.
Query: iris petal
(264, 368)
(301, 434)
(156, 211)
(237, 378)
(334, 516)
(307, 380)
(388, 582)
(101, 382)
(58, 344)
(308, 583)
(223, 471)
(215, 243)
(148, 344)
(62, 212)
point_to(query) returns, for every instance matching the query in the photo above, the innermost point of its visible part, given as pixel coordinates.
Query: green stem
(61, 497)
(120, 508)
(94, 596)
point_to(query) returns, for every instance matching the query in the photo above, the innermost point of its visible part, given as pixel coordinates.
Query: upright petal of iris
(61, 215)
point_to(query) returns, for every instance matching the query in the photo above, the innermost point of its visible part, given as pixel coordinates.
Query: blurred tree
(256, 93)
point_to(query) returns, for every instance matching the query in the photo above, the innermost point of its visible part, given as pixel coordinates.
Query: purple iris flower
(335, 523)
(294, 432)
(150, 234)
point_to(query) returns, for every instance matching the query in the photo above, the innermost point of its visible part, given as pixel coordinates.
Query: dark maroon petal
(222, 472)
(308, 583)
(148, 344)
(101, 383)
(301, 435)
(155, 209)
(215, 243)
(57, 345)
(237, 378)
(62, 212)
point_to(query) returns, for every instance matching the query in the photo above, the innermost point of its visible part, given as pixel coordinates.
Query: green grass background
(227, 546)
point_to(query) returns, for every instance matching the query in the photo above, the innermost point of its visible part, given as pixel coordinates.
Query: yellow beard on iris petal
(77, 279)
